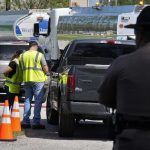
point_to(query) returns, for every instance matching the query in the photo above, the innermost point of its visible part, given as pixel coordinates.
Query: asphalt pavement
(88, 136)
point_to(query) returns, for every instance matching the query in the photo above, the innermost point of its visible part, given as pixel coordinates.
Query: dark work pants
(133, 139)
(10, 97)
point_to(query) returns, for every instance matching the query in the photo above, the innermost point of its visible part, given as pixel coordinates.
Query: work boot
(25, 125)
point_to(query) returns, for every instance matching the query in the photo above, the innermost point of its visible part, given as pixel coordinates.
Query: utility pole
(110, 2)
(8, 4)
(116, 2)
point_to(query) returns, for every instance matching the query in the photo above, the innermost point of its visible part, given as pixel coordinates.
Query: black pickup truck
(76, 78)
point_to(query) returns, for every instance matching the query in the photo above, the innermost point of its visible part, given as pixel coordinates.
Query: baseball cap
(33, 43)
(143, 20)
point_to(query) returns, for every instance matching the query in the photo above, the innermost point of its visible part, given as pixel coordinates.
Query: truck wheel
(109, 128)
(66, 124)
(51, 114)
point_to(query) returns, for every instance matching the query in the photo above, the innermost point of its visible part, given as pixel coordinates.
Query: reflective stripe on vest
(35, 63)
(12, 82)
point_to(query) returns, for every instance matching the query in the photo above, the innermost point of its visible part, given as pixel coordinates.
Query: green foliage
(43, 4)
(131, 2)
(126, 2)
(58, 3)
(37, 4)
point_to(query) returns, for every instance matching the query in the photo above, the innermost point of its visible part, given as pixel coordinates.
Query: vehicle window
(102, 50)
(58, 65)
(6, 51)
(63, 53)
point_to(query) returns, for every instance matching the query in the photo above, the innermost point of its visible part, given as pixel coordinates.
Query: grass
(16, 134)
(80, 36)
(6, 28)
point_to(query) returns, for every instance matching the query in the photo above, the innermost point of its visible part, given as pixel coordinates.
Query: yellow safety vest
(63, 77)
(14, 83)
(31, 66)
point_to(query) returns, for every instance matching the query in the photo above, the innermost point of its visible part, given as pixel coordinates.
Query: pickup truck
(77, 75)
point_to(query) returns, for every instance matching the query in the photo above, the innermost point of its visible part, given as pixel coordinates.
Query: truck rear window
(102, 50)
(6, 51)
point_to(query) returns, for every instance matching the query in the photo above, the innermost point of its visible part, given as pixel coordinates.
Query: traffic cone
(15, 116)
(6, 133)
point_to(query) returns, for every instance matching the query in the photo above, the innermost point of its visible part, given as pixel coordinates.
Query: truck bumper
(85, 108)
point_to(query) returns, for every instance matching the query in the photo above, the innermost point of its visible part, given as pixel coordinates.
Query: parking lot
(88, 136)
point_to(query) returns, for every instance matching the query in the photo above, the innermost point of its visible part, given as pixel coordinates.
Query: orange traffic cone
(15, 116)
(6, 133)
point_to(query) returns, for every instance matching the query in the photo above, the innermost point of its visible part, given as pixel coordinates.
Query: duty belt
(130, 122)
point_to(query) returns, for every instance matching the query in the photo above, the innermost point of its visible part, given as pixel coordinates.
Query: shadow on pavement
(83, 131)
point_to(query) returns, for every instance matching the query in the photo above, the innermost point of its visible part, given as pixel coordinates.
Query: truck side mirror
(36, 29)
(42, 28)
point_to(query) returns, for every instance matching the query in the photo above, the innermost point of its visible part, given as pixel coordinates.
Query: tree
(7, 4)
(43, 4)
(39, 4)
(126, 2)
(58, 3)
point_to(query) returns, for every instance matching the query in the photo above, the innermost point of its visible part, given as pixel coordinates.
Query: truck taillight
(111, 42)
(71, 83)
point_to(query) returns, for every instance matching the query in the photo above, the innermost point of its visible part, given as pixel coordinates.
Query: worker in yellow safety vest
(13, 78)
(35, 71)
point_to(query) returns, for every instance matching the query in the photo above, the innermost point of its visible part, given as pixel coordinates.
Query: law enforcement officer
(34, 69)
(126, 88)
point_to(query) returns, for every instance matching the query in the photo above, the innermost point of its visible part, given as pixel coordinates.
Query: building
(83, 3)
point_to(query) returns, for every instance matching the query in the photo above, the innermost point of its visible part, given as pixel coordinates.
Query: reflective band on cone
(6, 120)
(15, 115)
(15, 106)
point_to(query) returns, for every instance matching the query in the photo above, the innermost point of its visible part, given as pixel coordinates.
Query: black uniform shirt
(12, 65)
(127, 83)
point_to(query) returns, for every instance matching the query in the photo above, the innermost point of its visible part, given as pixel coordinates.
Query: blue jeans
(35, 89)
(10, 97)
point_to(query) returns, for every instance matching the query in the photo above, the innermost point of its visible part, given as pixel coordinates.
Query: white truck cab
(125, 19)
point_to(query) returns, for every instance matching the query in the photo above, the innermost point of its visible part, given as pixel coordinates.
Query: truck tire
(66, 124)
(109, 128)
(51, 114)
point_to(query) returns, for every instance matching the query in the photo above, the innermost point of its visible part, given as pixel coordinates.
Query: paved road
(88, 136)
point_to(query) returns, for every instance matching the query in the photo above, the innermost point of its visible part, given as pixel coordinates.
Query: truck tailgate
(88, 79)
